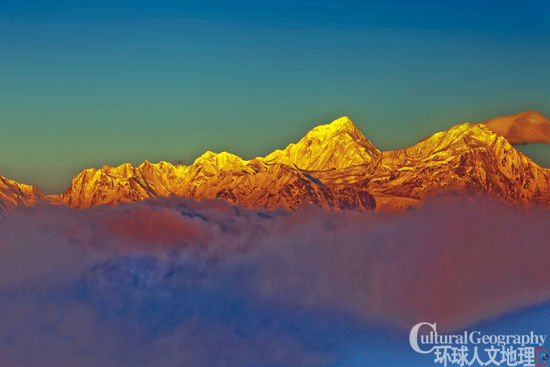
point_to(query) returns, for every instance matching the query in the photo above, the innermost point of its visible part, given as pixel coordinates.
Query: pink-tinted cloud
(180, 275)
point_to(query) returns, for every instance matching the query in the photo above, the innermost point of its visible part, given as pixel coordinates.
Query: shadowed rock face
(334, 166)
(522, 128)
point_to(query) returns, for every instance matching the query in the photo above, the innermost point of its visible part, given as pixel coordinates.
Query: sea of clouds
(177, 282)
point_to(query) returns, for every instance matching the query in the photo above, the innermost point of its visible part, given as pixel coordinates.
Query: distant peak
(223, 161)
(207, 154)
(338, 130)
(468, 128)
(458, 132)
(222, 156)
(122, 170)
(205, 157)
(339, 144)
(146, 164)
(343, 121)
(342, 124)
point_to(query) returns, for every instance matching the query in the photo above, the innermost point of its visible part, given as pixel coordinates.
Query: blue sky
(91, 82)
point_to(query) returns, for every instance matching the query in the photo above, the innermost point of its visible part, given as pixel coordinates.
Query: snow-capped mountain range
(333, 166)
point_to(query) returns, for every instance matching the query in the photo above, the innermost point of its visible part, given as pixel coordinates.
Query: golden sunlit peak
(120, 166)
(124, 169)
(479, 130)
(343, 121)
(342, 124)
(341, 165)
(331, 146)
(464, 134)
(146, 164)
(220, 160)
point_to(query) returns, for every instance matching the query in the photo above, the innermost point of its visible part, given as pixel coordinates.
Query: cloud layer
(176, 282)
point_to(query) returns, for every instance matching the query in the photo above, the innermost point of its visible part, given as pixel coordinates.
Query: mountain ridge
(333, 166)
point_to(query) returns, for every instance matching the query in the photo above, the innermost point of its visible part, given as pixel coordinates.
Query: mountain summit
(333, 166)
(337, 145)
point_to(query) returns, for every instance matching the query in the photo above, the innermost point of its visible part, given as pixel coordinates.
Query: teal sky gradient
(84, 83)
